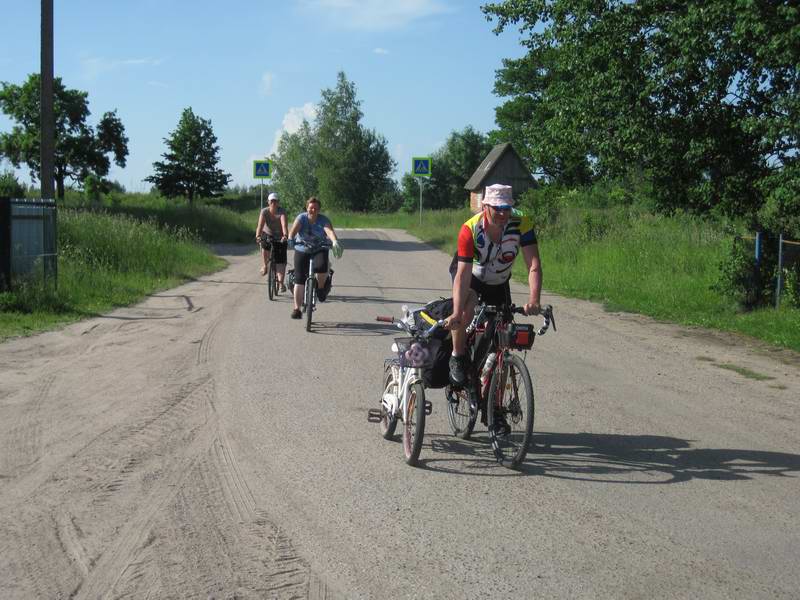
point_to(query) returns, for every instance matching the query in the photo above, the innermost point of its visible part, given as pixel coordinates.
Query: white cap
(272, 196)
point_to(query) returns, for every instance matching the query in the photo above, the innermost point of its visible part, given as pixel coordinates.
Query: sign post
(262, 169)
(420, 168)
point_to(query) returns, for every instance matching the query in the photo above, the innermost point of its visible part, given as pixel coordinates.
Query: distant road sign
(421, 166)
(262, 169)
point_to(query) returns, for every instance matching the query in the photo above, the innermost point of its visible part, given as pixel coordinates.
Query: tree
(80, 150)
(353, 164)
(295, 167)
(703, 97)
(189, 168)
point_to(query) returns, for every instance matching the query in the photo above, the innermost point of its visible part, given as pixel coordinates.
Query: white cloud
(380, 51)
(265, 88)
(93, 67)
(375, 15)
(292, 121)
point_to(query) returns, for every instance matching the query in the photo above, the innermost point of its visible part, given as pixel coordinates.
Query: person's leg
(458, 360)
(321, 272)
(280, 265)
(300, 274)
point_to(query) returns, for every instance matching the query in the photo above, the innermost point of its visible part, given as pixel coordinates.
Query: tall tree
(353, 163)
(703, 96)
(295, 177)
(189, 168)
(80, 150)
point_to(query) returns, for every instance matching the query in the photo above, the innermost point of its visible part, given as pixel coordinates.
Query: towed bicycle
(500, 384)
(403, 397)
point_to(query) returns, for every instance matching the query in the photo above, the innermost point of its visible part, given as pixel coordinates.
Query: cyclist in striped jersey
(488, 244)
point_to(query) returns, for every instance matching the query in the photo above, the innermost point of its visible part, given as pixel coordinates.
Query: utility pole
(47, 122)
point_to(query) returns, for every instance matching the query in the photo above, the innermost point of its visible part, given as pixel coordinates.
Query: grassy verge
(105, 261)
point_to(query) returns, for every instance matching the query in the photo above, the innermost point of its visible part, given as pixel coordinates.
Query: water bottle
(487, 367)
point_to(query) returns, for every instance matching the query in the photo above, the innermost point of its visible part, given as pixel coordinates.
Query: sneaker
(281, 287)
(296, 314)
(458, 370)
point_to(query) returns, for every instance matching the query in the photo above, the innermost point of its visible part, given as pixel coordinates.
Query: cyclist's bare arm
(295, 228)
(331, 233)
(284, 228)
(262, 221)
(531, 255)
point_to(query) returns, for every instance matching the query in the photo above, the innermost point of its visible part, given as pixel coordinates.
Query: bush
(751, 285)
(10, 187)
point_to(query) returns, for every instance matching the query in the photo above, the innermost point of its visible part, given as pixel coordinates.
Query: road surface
(203, 445)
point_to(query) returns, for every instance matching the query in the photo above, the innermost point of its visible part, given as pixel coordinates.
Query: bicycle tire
(271, 283)
(462, 419)
(311, 292)
(510, 423)
(388, 422)
(414, 423)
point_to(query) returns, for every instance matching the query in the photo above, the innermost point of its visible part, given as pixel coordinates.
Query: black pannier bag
(441, 344)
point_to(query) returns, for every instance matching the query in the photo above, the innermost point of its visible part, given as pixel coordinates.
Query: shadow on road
(608, 458)
(648, 459)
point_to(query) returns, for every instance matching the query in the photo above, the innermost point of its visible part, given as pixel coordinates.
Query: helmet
(272, 196)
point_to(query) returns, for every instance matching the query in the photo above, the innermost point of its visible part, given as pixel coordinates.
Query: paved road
(202, 444)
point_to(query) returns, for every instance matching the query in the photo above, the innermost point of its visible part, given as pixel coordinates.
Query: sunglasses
(501, 208)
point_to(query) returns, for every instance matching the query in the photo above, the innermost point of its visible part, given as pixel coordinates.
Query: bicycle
(403, 397)
(272, 280)
(501, 388)
(310, 293)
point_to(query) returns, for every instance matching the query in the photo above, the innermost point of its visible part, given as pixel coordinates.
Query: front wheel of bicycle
(311, 294)
(388, 419)
(510, 409)
(461, 410)
(271, 282)
(414, 423)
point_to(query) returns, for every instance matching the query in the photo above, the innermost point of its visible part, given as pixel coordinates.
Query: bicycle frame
(405, 377)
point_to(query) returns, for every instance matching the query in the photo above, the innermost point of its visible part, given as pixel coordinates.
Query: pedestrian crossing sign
(421, 166)
(262, 169)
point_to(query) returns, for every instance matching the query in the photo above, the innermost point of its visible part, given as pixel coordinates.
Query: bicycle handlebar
(546, 311)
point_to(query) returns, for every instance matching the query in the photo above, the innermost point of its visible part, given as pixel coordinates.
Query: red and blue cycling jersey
(491, 262)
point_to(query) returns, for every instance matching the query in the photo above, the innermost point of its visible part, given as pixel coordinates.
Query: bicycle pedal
(428, 407)
(374, 415)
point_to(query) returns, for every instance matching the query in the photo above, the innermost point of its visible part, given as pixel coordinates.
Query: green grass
(105, 261)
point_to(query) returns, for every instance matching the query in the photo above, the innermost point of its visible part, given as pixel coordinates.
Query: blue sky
(422, 68)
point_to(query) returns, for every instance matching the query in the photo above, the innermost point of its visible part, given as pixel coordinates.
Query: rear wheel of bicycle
(388, 421)
(510, 409)
(414, 423)
(311, 295)
(271, 282)
(462, 418)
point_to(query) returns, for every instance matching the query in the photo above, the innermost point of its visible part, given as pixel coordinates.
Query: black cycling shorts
(301, 265)
(495, 295)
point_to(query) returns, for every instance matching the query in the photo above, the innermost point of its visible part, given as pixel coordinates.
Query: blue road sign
(262, 169)
(421, 166)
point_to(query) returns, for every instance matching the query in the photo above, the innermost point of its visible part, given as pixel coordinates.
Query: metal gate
(27, 242)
